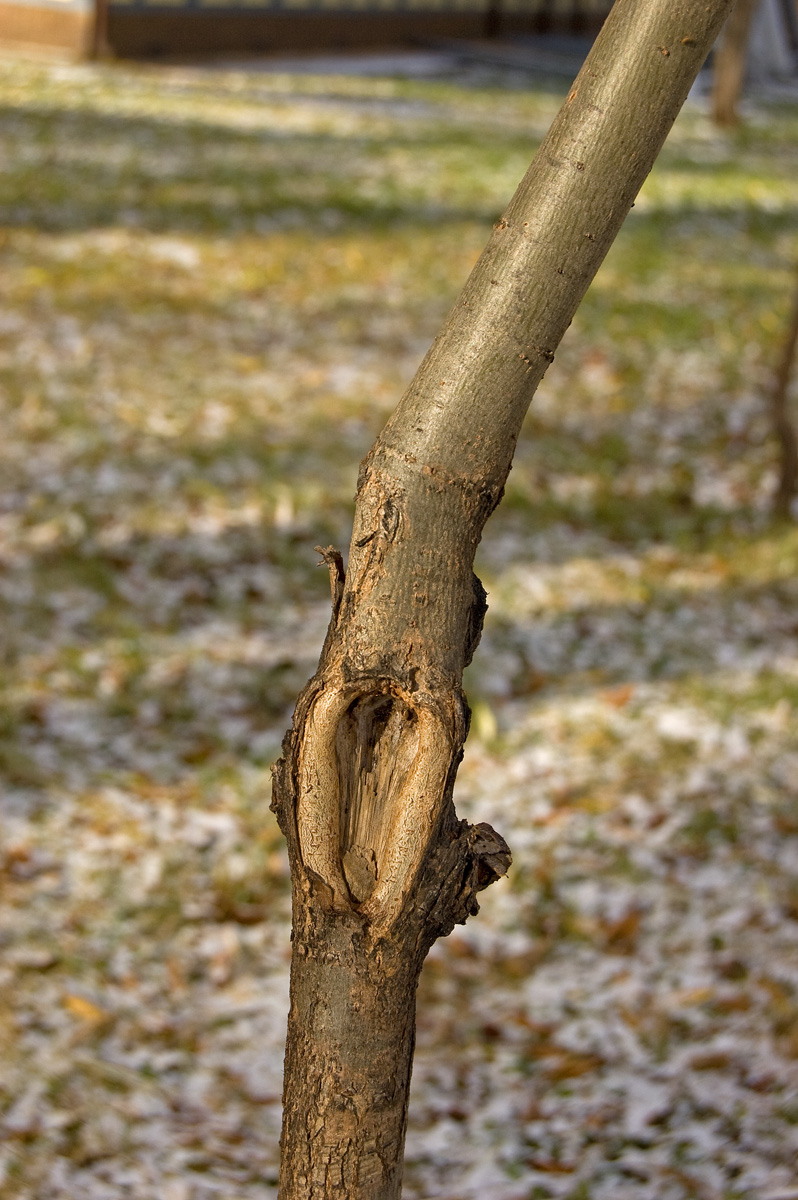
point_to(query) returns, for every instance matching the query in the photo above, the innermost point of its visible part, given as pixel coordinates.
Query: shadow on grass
(81, 171)
(99, 170)
(174, 669)
(674, 634)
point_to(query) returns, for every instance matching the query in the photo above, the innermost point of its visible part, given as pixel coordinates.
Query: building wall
(147, 28)
(151, 27)
(58, 25)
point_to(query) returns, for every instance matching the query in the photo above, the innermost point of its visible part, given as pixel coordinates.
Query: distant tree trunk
(787, 489)
(544, 18)
(380, 864)
(493, 19)
(100, 44)
(728, 73)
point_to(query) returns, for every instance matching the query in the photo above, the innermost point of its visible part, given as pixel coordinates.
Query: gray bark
(380, 864)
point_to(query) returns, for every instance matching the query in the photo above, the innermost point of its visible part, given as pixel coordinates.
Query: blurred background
(158, 27)
(218, 275)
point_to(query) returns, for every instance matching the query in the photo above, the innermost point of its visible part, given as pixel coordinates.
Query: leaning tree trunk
(380, 864)
(787, 487)
(728, 73)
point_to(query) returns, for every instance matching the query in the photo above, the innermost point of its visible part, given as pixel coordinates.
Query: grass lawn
(214, 286)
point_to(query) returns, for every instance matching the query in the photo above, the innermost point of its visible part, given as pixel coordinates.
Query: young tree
(380, 864)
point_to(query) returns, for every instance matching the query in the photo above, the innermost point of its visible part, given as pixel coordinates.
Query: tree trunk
(787, 488)
(728, 74)
(100, 48)
(380, 864)
(493, 19)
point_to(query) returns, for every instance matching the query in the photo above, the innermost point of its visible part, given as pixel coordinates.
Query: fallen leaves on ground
(214, 285)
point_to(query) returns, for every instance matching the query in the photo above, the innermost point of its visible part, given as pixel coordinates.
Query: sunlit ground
(214, 288)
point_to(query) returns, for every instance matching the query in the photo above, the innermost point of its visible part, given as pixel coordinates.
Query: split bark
(728, 74)
(787, 488)
(380, 864)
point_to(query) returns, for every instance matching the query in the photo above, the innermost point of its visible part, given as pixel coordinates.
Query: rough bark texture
(787, 488)
(729, 66)
(380, 864)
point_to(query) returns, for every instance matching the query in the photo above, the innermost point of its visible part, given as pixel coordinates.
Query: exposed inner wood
(376, 745)
(412, 807)
(372, 771)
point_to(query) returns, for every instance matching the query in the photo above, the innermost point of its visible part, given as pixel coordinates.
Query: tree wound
(373, 773)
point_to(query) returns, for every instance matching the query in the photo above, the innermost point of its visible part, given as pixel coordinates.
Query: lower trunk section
(347, 1068)
(351, 1025)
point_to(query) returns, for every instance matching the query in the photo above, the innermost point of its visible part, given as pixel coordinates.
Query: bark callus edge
(363, 794)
